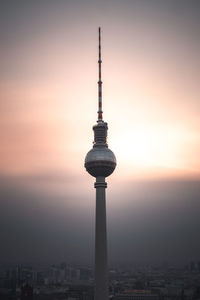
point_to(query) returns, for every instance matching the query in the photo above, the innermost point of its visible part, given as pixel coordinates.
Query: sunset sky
(48, 105)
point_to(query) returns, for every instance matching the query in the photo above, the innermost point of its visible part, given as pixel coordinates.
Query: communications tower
(100, 162)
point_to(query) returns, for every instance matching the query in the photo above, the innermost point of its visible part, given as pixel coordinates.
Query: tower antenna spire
(100, 112)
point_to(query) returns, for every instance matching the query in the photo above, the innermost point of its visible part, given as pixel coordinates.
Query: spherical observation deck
(100, 161)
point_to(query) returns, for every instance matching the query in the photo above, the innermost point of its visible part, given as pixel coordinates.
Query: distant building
(137, 295)
(198, 265)
(80, 292)
(192, 266)
(26, 292)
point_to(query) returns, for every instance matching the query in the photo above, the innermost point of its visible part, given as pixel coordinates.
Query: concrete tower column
(101, 268)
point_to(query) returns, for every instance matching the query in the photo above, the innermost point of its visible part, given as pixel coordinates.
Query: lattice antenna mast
(100, 112)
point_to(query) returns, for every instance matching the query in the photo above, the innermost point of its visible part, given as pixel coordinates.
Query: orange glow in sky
(150, 90)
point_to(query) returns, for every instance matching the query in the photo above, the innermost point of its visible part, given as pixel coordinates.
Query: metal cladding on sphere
(100, 161)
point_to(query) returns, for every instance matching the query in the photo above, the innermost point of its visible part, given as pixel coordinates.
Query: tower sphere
(100, 161)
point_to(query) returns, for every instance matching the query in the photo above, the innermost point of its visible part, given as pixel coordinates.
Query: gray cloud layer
(147, 221)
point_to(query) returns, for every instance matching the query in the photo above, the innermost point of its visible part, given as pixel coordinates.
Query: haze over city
(150, 73)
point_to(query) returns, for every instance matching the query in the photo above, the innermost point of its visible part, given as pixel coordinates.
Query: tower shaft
(101, 268)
